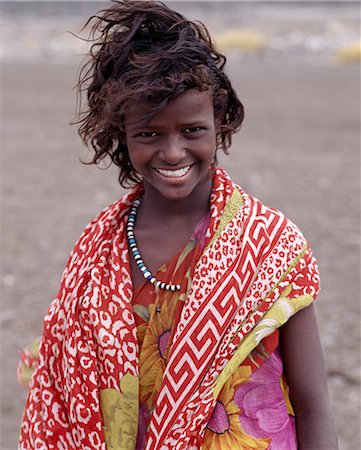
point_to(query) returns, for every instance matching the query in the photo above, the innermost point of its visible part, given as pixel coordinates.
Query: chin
(179, 190)
(176, 196)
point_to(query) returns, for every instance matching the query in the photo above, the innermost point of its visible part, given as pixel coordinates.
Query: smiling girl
(184, 319)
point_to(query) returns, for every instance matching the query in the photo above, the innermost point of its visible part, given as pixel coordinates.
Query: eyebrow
(194, 123)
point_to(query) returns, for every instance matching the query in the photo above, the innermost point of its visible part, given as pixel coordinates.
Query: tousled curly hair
(142, 51)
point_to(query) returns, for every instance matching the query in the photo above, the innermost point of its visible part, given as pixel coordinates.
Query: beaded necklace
(136, 254)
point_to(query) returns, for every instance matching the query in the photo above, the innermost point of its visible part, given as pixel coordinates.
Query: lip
(159, 171)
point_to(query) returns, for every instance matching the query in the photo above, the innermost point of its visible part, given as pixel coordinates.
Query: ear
(213, 164)
(215, 159)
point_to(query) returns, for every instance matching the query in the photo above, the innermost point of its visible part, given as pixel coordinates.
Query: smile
(174, 173)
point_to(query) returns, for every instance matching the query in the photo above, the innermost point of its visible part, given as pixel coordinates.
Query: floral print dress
(253, 409)
(209, 362)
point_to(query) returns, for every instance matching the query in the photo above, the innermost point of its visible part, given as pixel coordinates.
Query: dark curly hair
(142, 51)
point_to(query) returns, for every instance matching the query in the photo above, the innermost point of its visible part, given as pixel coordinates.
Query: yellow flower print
(224, 430)
(141, 329)
(274, 318)
(120, 414)
(28, 363)
(155, 349)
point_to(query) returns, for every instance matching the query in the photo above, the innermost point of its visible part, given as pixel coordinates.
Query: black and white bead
(137, 256)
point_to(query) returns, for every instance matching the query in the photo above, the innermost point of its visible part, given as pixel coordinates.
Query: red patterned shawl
(256, 271)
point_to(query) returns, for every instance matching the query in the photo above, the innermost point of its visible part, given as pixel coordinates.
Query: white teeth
(174, 173)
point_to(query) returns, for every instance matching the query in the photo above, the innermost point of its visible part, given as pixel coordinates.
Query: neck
(155, 206)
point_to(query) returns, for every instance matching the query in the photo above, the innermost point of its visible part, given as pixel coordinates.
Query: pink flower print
(142, 426)
(199, 234)
(219, 422)
(263, 408)
(163, 342)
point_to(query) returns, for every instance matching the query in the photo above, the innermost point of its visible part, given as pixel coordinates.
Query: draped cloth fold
(255, 272)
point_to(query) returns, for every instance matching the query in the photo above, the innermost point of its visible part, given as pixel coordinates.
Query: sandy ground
(298, 151)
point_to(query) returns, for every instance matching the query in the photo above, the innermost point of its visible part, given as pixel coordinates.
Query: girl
(184, 317)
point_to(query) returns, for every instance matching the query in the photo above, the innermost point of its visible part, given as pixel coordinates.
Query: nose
(172, 150)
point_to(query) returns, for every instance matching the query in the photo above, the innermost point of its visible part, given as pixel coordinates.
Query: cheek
(210, 149)
(133, 153)
(136, 163)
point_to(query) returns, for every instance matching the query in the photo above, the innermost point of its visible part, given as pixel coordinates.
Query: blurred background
(296, 68)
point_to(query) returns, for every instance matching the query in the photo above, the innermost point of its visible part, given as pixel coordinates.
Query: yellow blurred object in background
(246, 41)
(350, 53)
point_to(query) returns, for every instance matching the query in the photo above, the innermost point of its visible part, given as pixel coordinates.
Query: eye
(147, 134)
(193, 130)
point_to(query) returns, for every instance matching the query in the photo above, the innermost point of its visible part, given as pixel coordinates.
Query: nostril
(173, 156)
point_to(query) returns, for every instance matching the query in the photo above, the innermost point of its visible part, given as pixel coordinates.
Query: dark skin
(306, 376)
(181, 136)
(164, 229)
(299, 340)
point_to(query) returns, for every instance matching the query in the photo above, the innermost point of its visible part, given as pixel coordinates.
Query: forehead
(189, 107)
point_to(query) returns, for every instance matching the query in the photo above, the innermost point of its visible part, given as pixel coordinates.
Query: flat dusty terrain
(298, 151)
